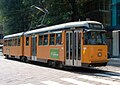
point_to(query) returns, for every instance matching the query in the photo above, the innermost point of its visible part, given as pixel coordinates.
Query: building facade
(108, 13)
(100, 10)
(116, 26)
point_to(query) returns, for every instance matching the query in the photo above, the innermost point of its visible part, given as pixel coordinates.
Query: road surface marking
(49, 82)
(73, 81)
(113, 73)
(117, 72)
(27, 84)
(91, 78)
(109, 75)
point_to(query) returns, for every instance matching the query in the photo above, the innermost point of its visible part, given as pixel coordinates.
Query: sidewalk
(114, 62)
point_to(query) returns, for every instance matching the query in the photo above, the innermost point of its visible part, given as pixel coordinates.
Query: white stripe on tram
(73, 81)
(49, 82)
(91, 78)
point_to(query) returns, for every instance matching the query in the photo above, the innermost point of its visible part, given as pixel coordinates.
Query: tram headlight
(99, 54)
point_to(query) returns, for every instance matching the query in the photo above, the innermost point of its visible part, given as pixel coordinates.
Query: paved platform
(114, 62)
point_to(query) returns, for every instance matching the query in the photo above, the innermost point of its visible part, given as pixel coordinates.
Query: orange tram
(76, 44)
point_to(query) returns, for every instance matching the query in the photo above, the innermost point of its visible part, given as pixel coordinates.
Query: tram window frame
(40, 40)
(59, 39)
(52, 39)
(18, 40)
(27, 41)
(45, 41)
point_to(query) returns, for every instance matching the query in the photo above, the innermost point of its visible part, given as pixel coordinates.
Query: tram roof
(55, 27)
(63, 26)
(13, 35)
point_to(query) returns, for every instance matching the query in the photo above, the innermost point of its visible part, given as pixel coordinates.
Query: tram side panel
(18, 49)
(27, 46)
(94, 55)
(6, 48)
(51, 52)
(13, 48)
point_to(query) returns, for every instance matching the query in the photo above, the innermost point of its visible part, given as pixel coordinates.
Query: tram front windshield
(94, 38)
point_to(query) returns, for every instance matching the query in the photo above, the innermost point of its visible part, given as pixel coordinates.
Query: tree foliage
(21, 15)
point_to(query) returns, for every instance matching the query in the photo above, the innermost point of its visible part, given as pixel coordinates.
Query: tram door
(34, 47)
(73, 48)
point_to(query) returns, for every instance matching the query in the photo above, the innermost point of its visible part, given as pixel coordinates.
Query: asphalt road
(14, 72)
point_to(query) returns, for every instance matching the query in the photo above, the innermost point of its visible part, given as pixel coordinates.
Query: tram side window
(15, 42)
(40, 40)
(8, 42)
(79, 46)
(5, 43)
(27, 41)
(45, 40)
(59, 39)
(67, 46)
(52, 39)
(85, 39)
(11, 42)
(18, 41)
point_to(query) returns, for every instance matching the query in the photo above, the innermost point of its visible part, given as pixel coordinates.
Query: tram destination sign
(95, 26)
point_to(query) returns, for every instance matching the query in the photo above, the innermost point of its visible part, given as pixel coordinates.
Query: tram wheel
(25, 59)
(52, 63)
(59, 65)
(6, 56)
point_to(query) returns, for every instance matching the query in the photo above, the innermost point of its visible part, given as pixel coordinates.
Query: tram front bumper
(95, 63)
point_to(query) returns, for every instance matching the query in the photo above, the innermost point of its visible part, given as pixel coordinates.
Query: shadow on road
(77, 70)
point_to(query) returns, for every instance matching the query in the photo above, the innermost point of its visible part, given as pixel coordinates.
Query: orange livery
(80, 44)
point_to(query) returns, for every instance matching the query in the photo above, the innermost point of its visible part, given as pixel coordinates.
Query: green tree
(21, 15)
